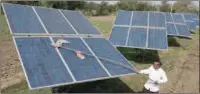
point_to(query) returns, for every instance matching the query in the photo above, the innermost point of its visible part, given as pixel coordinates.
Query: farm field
(181, 63)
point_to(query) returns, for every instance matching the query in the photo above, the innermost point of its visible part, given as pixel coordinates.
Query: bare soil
(103, 18)
(11, 71)
(184, 76)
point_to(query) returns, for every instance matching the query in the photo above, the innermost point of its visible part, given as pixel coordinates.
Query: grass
(22, 88)
(139, 58)
(104, 26)
(5, 33)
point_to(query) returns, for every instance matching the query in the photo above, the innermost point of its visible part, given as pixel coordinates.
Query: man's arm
(145, 71)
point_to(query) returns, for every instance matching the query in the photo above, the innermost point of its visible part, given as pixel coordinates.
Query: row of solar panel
(56, 21)
(179, 24)
(149, 30)
(139, 29)
(44, 67)
(139, 37)
(192, 20)
(140, 18)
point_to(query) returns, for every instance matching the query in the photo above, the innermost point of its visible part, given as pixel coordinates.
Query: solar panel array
(47, 66)
(195, 18)
(189, 21)
(55, 20)
(176, 25)
(139, 29)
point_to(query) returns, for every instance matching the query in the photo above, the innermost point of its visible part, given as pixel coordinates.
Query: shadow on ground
(172, 42)
(114, 85)
(192, 32)
(140, 55)
(181, 37)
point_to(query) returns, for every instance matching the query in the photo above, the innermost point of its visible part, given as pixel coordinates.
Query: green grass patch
(5, 33)
(103, 26)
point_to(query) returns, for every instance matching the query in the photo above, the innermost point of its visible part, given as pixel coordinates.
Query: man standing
(156, 76)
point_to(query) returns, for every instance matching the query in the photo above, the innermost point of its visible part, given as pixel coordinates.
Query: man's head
(157, 65)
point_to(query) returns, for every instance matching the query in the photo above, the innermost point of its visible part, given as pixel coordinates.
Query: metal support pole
(172, 7)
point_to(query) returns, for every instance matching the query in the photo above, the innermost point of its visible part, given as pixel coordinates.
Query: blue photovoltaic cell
(119, 35)
(41, 62)
(194, 16)
(168, 17)
(157, 39)
(139, 18)
(156, 19)
(191, 25)
(188, 17)
(22, 19)
(54, 21)
(80, 23)
(171, 30)
(108, 51)
(137, 37)
(88, 68)
(197, 22)
(123, 18)
(178, 18)
(183, 30)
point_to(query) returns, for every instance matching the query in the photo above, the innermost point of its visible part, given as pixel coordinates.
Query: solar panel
(178, 18)
(22, 19)
(123, 18)
(191, 25)
(189, 21)
(137, 37)
(139, 29)
(156, 20)
(80, 23)
(139, 18)
(176, 25)
(54, 21)
(195, 19)
(197, 23)
(57, 21)
(41, 62)
(47, 66)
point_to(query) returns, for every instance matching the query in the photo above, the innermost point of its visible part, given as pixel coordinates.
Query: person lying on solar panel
(156, 76)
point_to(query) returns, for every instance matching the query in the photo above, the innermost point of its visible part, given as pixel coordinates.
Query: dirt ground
(184, 76)
(104, 18)
(11, 71)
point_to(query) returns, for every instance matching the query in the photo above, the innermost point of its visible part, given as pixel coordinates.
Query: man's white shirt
(158, 76)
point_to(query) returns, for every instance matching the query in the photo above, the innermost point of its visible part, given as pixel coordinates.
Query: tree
(103, 9)
(127, 4)
(165, 7)
(181, 6)
(90, 9)
(72, 5)
(135, 5)
(185, 6)
(33, 3)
